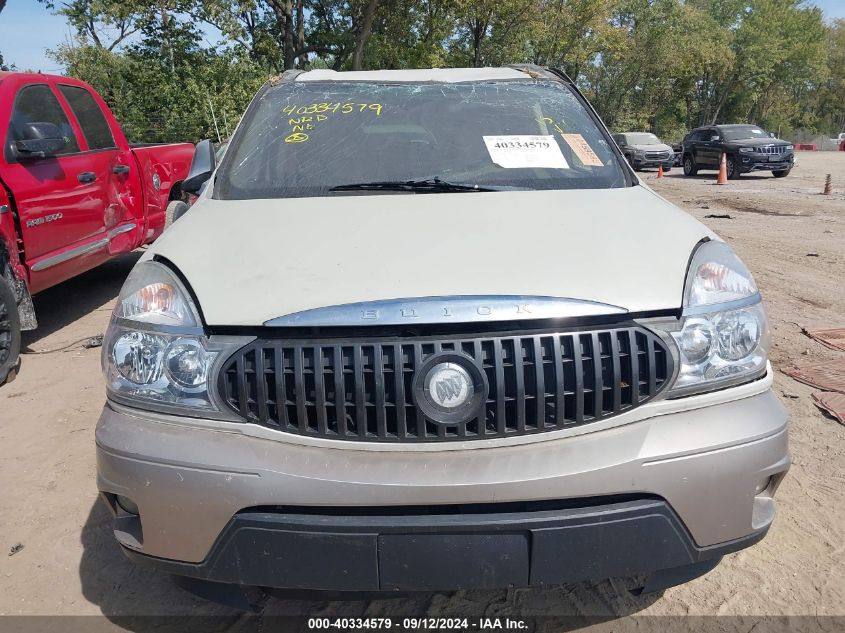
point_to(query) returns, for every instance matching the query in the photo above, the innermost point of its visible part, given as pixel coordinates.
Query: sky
(28, 30)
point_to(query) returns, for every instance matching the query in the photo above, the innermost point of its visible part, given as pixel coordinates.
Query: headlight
(186, 363)
(789, 148)
(746, 150)
(720, 349)
(155, 353)
(722, 337)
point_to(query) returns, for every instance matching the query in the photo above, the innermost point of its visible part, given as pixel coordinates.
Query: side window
(91, 118)
(38, 104)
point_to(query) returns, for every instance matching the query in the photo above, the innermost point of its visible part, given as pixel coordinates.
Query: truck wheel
(10, 333)
(690, 168)
(782, 173)
(175, 210)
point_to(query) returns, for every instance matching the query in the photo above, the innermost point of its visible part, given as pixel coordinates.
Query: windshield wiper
(430, 185)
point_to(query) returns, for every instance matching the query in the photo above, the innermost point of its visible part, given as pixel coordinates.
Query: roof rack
(288, 75)
(548, 72)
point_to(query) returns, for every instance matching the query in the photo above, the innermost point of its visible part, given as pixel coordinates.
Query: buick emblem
(448, 385)
(450, 388)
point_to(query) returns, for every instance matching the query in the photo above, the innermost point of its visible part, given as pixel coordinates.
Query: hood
(251, 261)
(758, 142)
(658, 147)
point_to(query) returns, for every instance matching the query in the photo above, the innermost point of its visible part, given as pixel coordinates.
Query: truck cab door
(58, 198)
(115, 168)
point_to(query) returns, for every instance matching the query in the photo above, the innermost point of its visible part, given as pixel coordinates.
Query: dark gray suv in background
(643, 149)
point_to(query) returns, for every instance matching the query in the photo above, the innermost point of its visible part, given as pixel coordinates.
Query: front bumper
(446, 552)
(666, 163)
(758, 163)
(223, 505)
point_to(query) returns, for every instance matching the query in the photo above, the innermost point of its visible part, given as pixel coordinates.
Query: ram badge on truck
(73, 193)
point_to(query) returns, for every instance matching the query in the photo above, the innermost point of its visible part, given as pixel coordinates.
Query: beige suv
(425, 330)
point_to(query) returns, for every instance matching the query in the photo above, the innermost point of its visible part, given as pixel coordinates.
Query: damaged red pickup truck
(73, 193)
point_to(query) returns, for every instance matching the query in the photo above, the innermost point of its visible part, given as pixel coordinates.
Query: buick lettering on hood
(426, 330)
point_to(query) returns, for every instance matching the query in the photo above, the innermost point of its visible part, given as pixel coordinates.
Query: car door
(58, 199)
(711, 148)
(691, 143)
(122, 211)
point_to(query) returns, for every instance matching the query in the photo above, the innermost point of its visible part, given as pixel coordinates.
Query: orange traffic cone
(660, 171)
(723, 171)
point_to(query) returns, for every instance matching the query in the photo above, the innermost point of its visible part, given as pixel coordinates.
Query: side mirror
(202, 165)
(714, 138)
(40, 140)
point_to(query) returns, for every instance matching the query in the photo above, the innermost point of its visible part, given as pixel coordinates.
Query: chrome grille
(658, 155)
(772, 149)
(363, 390)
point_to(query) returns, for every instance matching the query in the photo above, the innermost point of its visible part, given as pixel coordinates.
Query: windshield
(305, 138)
(642, 139)
(743, 132)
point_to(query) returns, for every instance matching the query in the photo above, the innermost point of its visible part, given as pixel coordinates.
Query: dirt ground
(791, 237)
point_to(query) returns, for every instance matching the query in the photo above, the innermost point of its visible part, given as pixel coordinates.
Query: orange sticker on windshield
(582, 150)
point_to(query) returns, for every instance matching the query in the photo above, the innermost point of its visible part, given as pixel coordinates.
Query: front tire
(733, 169)
(10, 333)
(175, 210)
(690, 168)
(783, 173)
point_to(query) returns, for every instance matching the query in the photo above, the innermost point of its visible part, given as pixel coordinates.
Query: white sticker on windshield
(514, 152)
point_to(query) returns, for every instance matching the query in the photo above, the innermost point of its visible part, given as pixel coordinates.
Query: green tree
(490, 32)
(774, 45)
(570, 34)
(830, 96)
(188, 96)
(106, 23)
(659, 65)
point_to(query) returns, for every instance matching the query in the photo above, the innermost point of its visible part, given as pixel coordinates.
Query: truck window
(37, 104)
(91, 119)
(303, 139)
